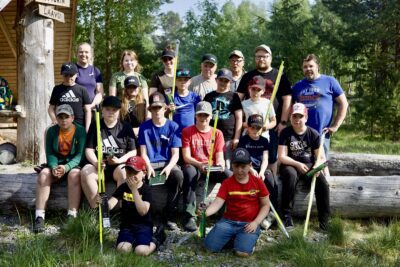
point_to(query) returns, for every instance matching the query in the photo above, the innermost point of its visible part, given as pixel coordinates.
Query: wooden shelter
(33, 47)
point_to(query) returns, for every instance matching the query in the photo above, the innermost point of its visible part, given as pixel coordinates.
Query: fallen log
(351, 196)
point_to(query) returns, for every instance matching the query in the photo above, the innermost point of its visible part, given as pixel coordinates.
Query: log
(356, 164)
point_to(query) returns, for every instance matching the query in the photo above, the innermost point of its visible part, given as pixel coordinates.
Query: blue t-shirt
(88, 78)
(159, 140)
(185, 109)
(256, 149)
(319, 97)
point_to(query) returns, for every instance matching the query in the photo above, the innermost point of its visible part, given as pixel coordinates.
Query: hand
(251, 227)
(222, 164)
(261, 175)
(254, 172)
(150, 172)
(302, 168)
(132, 183)
(58, 171)
(166, 171)
(202, 208)
(234, 143)
(113, 160)
(279, 128)
(172, 107)
(331, 130)
(203, 168)
(98, 199)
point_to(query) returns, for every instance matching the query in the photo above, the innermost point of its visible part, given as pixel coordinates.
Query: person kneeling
(65, 143)
(247, 204)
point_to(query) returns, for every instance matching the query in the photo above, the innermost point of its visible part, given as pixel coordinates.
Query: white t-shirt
(260, 107)
(201, 86)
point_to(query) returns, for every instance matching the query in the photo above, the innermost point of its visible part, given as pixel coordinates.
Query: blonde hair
(131, 53)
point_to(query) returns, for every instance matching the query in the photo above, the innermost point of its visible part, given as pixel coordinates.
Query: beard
(262, 67)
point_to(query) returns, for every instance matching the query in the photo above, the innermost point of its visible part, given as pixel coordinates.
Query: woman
(162, 80)
(129, 66)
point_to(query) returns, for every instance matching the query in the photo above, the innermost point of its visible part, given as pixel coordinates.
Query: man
(297, 152)
(196, 145)
(282, 101)
(236, 62)
(65, 143)
(68, 92)
(159, 141)
(205, 82)
(164, 79)
(320, 93)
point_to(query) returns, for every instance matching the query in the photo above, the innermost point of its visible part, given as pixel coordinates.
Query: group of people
(160, 131)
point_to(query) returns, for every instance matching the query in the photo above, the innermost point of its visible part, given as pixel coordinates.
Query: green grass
(350, 140)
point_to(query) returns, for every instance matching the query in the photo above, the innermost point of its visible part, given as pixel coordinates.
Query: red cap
(257, 81)
(137, 163)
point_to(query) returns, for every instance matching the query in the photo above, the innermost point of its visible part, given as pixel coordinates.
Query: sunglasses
(166, 59)
(182, 73)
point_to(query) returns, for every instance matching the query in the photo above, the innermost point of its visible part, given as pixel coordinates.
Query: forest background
(357, 41)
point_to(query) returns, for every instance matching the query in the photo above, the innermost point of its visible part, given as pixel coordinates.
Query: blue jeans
(327, 144)
(224, 230)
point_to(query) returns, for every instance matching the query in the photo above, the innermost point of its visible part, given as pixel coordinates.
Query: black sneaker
(324, 226)
(39, 225)
(190, 225)
(159, 235)
(288, 222)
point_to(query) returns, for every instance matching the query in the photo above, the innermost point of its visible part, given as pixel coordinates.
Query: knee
(45, 177)
(124, 247)
(74, 177)
(87, 172)
(142, 250)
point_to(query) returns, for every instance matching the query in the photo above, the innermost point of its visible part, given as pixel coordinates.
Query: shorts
(136, 235)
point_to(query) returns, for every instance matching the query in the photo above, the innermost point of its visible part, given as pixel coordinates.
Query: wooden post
(35, 82)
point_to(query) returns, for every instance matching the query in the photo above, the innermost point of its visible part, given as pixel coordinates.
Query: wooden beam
(7, 34)
(74, 4)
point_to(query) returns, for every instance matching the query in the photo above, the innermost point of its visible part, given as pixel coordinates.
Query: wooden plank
(64, 3)
(50, 12)
(7, 34)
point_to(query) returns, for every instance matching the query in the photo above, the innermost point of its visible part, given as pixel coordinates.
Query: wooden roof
(63, 41)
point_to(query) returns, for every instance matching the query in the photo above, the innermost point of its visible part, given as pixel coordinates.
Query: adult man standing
(236, 62)
(319, 93)
(205, 82)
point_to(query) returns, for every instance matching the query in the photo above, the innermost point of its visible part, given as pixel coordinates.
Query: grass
(350, 140)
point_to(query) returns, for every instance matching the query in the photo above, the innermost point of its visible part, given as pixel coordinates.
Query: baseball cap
(69, 68)
(204, 107)
(209, 58)
(257, 81)
(299, 108)
(183, 73)
(241, 155)
(255, 120)
(156, 99)
(237, 53)
(112, 101)
(136, 163)
(224, 73)
(64, 109)
(263, 47)
(131, 81)
(167, 53)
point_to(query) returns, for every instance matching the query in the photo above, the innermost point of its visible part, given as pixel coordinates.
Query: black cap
(156, 99)
(111, 101)
(241, 155)
(224, 73)
(69, 68)
(183, 73)
(255, 120)
(168, 53)
(131, 81)
(209, 58)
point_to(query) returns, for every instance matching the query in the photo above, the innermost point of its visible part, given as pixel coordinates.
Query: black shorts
(137, 235)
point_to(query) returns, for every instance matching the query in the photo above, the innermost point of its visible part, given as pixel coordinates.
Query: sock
(39, 213)
(73, 213)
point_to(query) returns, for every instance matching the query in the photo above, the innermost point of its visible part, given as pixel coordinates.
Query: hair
(139, 99)
(311, 57)
(131, 53)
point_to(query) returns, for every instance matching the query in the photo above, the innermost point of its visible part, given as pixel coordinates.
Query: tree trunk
(35, 83)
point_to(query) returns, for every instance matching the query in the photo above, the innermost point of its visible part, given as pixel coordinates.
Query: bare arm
(143, 153)
(264, 164)
(172, 162)
(285, 159)
(99, 95)
(52, 113)
(91, 156)
(142, 207)
(215, 206)
(287, 102)
(342, 105)
(112, 202)
(112, 91)
(187, 157)
(88, 116)
(262, 213)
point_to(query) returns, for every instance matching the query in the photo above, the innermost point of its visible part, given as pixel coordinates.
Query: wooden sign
(50, 12)
(65, 3)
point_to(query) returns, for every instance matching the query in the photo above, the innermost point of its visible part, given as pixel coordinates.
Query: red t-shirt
(200, 143)
(242, 200)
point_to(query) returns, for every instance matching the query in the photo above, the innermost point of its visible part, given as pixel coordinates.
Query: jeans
(272, 186)
(224, 230)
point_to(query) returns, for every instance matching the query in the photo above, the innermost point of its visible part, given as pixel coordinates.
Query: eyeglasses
(236, 60)
(262, 57)
(182, 73)
(166, 59)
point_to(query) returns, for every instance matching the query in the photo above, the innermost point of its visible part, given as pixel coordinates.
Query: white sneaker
(268, 221)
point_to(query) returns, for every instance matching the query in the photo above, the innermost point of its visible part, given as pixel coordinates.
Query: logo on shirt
(310, 96)
(69, 97)
(111, 147)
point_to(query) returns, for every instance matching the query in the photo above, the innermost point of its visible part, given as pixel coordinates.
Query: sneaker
(268, 221)
(159, 235)
(39, 225)
(39, 168)
(190, 225)
(323, 226)
(172, 226)
(288, 222)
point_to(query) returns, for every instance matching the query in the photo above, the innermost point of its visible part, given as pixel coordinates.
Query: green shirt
(118, 78)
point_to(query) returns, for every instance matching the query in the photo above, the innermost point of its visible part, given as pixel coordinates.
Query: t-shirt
(136, 113)
(235, 84)
(300, 146)
(159, 140)
(319, 97)
(229, 103)
(185, 109)
(200, 143)
(65, 140)
(201, 86)
(270, 78)
(117, 141)
(256, 149)
(129, 213)
(89, 77)
(242, 200)
(260, 107)
(161, 81)
(76, 96)
(118, 78)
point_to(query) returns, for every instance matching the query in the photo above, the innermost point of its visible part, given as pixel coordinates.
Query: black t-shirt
(256, 149)
(76, 96)
(116, 141)
(270, 78)
(136, 114)
(161, 81)
(129, 213)
(229, 103)
(300, 147)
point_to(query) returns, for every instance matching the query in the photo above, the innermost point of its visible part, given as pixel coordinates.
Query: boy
(230, 114)
(247, 204)
(297, 152)
(65, 143)
(136, 227)
(159, 142)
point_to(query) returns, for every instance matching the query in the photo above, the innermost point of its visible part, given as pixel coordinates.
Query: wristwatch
(283, 122)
